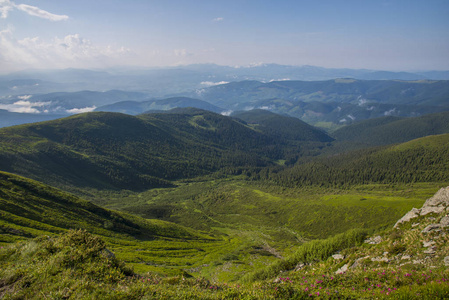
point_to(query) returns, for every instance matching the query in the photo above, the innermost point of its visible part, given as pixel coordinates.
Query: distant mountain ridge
(135, 107)
(161, 82)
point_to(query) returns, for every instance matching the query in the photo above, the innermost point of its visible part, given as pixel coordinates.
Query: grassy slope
(30, 209)
(77, 265)
(278, 216)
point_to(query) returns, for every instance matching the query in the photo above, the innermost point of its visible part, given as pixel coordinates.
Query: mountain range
(245, 189)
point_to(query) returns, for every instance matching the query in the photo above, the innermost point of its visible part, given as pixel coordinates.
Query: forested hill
(286, 127)
(421, 160)
(390, 130)
(116, 151)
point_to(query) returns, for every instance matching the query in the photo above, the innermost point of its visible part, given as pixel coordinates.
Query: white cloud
(227, 113)
(70, 51)
(390, 112)
(37, 12)
(280, 79)
(219, 19)
(210, 83)
(81, 110)
(22, 106)
(25, 97)
(6, 6)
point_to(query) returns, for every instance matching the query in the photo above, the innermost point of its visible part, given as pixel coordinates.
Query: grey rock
(446, 261)
(374, 240)
(431, 209)
(357, 262)
(342, 270)
(300, 266)
(444, 221)
(384, 259)
(441, 198)
(429, 251)
(431, 227)
(414, 213)
(338, 256)
(404, 257)
(428, 244)
(415, 224)
(436, 204)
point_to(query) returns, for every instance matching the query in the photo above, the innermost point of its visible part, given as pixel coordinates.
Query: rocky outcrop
(374, 240)
(436, 204)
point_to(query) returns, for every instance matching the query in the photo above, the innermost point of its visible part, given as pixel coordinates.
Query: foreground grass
(78, 265)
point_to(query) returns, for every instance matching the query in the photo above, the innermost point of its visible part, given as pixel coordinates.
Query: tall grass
(316, 250)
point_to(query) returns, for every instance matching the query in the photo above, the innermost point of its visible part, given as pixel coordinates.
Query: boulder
(436, 204)
(431, 227)
(444, 222)
(338, 256)
(428, 244)
(374, 240)
(342, 270)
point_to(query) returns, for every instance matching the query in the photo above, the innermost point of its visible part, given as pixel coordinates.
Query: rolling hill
(421, 160)
(391, 130)
(136, 108)
(284, 127)
(117, 151)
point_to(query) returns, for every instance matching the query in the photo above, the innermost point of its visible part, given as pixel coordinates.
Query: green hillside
(285, 127)
(421, 160)
(391, 130)
(116, 151)
(30, 208)
(394, 264)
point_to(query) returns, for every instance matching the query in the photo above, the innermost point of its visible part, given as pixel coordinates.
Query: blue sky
(380, 34)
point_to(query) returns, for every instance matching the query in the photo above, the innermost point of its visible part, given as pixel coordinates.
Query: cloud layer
(56, 53)
(6, 6)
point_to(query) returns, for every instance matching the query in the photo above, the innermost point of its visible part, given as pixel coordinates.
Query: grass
(77, 265)
(305, 213)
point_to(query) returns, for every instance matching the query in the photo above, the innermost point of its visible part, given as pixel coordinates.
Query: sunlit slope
(421, 160)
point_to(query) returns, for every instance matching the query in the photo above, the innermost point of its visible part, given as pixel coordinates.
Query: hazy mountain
(135, 108)
(340, 101)
(161, 82)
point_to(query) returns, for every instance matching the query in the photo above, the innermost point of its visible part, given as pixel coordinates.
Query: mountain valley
(180, 197)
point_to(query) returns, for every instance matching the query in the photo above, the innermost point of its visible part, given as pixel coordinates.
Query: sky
(396, 35)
